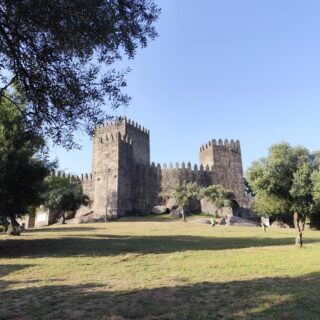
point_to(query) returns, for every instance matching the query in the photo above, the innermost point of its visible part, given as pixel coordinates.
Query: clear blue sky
(247, 70)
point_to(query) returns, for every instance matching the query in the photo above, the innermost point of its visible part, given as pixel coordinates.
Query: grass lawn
(159, 268)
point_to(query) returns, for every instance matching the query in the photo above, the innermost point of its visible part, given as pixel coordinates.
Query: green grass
(158, 268)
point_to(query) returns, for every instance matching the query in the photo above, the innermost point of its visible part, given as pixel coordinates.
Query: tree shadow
(111, 245)
(6, 269)
(59, 229)
(266, 298)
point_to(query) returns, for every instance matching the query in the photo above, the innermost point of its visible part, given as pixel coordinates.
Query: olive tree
(218, 196)
(63, 193)
(22, 166)
(61, 55)
(286, 181)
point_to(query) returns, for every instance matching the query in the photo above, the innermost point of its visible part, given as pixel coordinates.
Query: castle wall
(123, 180)
(152, 184)
(117, 149)
(171, 177)
(87, 183)
(140, 137)
(146, 182)
(105, 173)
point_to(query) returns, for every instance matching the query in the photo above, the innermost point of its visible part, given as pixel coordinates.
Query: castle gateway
(124, 181)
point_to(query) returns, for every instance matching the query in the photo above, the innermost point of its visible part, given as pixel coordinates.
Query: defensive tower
(123, 180)
(224, 157)
(116, 148)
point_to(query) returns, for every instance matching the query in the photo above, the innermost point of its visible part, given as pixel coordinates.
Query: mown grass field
(159, 268)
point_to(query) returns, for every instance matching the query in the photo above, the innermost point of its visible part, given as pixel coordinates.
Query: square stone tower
(224, 159)
(117, 147)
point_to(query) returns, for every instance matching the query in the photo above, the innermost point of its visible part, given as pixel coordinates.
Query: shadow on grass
(6, 269)
(267, 298)
(60, 229)
(104, 245)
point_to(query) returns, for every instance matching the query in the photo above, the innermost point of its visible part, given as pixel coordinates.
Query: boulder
(243, 212)
(209, 208)
(70, 214)
(88, 218)
(237, 221)
(171, 204)
(159, 209)
(82, 211)
(279, 224)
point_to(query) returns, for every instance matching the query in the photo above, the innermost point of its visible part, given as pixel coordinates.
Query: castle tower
(225, 160)
(116, 148)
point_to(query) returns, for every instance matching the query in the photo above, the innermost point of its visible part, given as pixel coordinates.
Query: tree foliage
(218, 196)
(286, 182)
(63, 194)
(59, 54)
(184, 192)
(22, 170)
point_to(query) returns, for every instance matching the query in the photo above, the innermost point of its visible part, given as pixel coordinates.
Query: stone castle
(124, 181)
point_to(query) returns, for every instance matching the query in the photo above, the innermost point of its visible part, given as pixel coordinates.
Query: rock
(69, 214)
(243, 212)
(209, 208)
(82, 211)
(237, 221)
(88, 218)
(171, 204)
(159, 210)
(279, 224)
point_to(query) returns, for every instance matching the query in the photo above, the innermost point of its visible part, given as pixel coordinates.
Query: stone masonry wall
(123, 180)
(105, 174)
(225, 158)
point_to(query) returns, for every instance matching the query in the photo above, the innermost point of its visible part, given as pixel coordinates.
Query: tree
(59, 55)
(63, 193)
(218, 196)
(22, 170)
(285, 182)
(183, 194)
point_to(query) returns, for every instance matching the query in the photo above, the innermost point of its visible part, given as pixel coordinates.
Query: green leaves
(285, 181)
(218, 196)
(63, 193)
(184, 192)
(59, 54)
(22, 171)
(315, 178)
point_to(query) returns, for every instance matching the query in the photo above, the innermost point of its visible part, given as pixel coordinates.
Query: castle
(124, 181)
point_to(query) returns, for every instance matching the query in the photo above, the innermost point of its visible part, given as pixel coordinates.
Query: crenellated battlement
(123, 179)
(116, 125)
(72, 177)
(136, 125)
(182, 166)
(234, 145)
(86, 177)
(115, 137)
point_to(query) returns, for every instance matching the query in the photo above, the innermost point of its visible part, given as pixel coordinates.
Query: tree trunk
(63, 218)
(14, 228)
(299, 226)
(14, 221)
